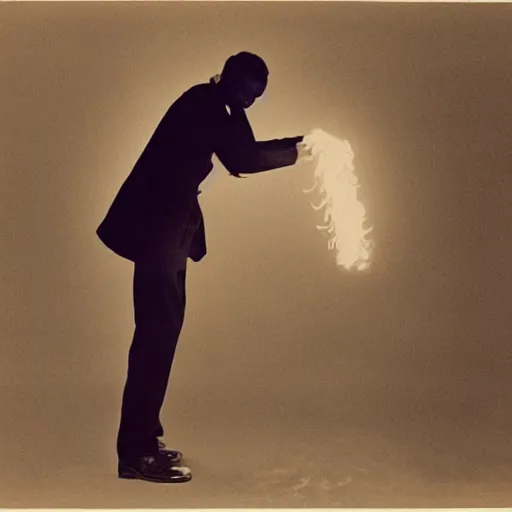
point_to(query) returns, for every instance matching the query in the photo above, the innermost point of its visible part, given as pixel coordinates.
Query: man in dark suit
(156, 222)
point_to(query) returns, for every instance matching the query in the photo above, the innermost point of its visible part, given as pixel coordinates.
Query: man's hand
(304, 152)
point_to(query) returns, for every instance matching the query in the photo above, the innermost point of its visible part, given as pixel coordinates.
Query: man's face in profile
(245, 92)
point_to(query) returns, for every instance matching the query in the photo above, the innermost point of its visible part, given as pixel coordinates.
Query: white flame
(344, 214)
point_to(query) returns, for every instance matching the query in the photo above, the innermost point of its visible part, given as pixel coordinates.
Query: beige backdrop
(295, 384)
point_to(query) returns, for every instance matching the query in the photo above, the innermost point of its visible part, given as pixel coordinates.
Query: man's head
(244, 79)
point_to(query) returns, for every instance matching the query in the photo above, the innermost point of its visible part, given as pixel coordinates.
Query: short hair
(246, 63)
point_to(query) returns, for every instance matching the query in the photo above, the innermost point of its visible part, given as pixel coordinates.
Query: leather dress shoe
(153, 468)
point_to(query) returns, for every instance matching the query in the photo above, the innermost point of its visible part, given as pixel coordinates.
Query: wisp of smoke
(344, 215)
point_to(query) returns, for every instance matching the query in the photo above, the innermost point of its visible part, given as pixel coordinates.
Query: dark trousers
(159, 306)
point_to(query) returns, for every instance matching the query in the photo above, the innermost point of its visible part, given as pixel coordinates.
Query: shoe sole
(132, 474)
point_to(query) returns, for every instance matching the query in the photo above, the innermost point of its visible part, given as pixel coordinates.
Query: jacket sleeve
(240, 153)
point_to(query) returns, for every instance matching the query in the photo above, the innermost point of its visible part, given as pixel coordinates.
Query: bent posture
(156, 222)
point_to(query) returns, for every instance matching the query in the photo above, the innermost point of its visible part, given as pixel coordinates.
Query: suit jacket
(157, 206)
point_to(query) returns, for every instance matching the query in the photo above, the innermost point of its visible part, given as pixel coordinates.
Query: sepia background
(295, 383)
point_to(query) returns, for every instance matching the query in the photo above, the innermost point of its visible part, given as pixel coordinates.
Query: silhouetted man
(156, 222)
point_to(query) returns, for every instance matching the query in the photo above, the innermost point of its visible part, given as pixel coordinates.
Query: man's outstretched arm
(251, 158)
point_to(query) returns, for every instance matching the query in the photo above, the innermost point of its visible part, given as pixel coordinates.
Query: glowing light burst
(345, 215)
